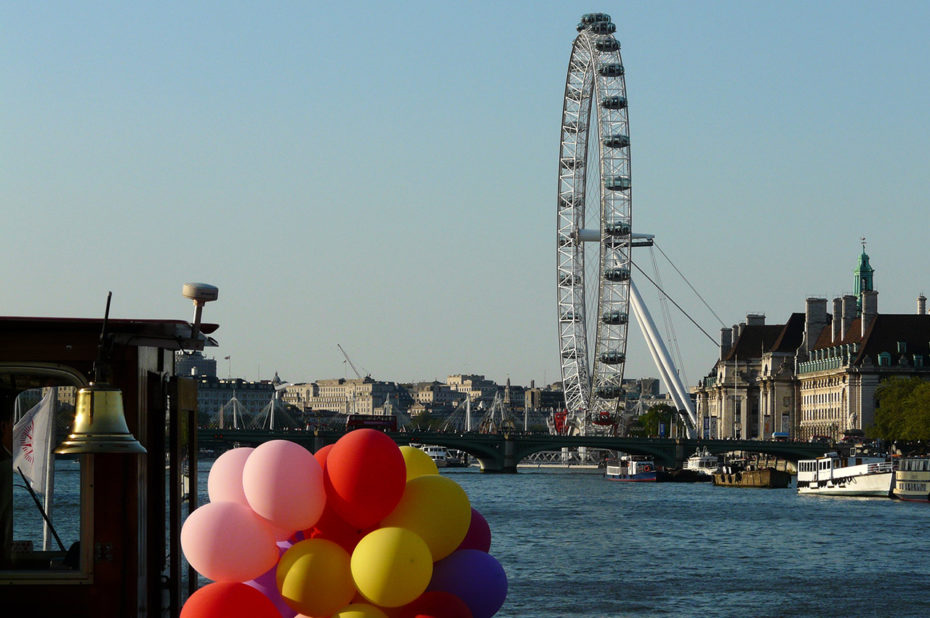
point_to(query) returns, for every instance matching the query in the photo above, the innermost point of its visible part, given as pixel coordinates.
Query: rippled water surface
(576, 544)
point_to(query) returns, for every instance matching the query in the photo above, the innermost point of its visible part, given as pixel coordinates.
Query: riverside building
(815, 376)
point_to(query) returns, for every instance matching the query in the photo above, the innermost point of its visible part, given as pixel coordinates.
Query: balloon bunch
(360, 529)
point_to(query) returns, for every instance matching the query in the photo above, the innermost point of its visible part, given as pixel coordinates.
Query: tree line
(902, 409)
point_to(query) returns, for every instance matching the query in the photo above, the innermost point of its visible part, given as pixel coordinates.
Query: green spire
(864, 282)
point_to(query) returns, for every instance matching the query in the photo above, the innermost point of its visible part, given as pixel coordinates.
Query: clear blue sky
(383, 175)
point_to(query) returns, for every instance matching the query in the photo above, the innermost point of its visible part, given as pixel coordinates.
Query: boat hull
(867, 485)
(631, 472)
(768, 478)
(643, 477)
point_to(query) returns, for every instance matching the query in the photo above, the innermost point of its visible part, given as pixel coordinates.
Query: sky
(382, 176)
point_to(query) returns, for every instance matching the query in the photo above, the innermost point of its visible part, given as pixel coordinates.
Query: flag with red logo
(32, 435)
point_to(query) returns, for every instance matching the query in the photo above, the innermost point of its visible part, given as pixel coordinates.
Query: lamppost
(737, 420)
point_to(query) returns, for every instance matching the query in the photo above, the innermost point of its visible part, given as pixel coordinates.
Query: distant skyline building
(194, 364)
(475, 386)
(215, 395)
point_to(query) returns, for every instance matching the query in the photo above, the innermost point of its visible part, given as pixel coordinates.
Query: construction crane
(351, 364)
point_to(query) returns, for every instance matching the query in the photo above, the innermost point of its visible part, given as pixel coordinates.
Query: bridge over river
(502, 452)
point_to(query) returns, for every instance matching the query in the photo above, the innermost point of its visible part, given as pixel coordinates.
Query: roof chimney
(726, 341)
(869, 309)
(815, 319)
(755, 319)
(921, 305)
(849, 314)
(835, 330)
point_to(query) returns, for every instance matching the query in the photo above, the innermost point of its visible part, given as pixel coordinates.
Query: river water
(575, 544)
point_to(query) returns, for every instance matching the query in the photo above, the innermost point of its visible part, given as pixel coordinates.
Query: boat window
(45, 498)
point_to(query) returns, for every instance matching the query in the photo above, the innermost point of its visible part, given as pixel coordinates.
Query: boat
(767, 477)
(438, 454)
(703, 463)
(631, 469)
(859, 474)
(456, 458)
(912, 479)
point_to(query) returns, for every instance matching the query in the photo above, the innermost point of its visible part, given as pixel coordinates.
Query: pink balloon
(227, 542)
(479, 533)
(283, 483)
(224, 484)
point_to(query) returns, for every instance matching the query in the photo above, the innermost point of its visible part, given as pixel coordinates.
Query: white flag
(31, 438)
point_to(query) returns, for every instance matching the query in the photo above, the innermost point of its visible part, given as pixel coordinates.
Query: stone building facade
(816, 375)
(744, 397)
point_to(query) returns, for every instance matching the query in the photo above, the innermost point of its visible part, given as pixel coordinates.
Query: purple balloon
(479, 533)
(267, 585)
(474, 576)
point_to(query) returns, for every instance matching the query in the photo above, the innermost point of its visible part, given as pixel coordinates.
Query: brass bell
(100, 424)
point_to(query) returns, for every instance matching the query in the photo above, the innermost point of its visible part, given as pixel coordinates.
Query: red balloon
(364, 476)
(333, 528)
(229, 600)
(322, 454)
(479, 533)
(436, 604)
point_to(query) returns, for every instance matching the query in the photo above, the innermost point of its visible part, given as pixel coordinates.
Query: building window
(34, 419)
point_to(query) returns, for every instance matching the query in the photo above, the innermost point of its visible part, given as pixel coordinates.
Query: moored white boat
(856, 475)
(638, 469)
(438, 454)
(912, 479)
(703, 463)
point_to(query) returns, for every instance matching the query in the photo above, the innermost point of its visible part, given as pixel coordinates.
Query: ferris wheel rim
(592, 382)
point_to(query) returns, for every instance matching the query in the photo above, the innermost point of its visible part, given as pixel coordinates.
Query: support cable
(667, 319)
(677, 306)
(689, 283)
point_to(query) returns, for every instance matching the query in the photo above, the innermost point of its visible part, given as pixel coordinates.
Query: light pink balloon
(283, 483)
(227, 542)
(224, 484)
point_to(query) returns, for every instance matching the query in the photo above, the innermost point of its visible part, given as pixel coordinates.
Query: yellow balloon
(437, 509)
(315, 578)
(359, 610)
(391, 566)
(418, 463)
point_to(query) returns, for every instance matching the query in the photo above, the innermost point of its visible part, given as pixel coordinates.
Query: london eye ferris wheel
(594, 230)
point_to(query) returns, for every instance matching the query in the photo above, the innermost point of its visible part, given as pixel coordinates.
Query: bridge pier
(506, 462)
(680, 455)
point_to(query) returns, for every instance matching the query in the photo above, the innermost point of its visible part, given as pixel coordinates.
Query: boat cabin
(113, 548)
